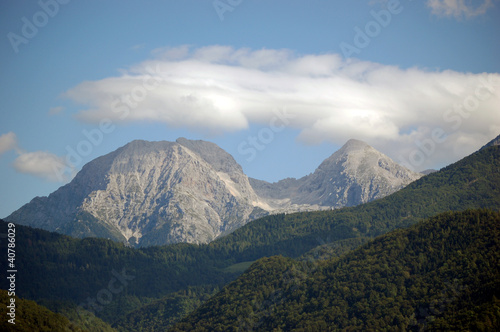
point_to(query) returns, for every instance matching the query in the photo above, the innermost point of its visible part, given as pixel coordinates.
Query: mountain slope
(355, 174)
(163, 313)
(149, 193)
(444, 273)
(30, 317)
(155, 193)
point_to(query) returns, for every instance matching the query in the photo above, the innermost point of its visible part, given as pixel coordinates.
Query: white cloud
(8, 142)
(42, 164)
(217, 89)
(459, 8)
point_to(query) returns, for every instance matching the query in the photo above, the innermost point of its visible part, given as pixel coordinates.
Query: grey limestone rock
(156, 193)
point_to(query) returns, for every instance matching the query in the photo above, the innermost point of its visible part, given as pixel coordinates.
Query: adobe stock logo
(49, 9)
(105, 296)
(225, 6)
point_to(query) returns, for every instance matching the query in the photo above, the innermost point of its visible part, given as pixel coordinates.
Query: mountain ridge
(355, 174)
(153, 193)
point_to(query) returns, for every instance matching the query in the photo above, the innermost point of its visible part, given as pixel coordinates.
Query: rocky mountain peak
(212, 154)
(354, 145)
(354, 150)
(150, 193)
(357, 173)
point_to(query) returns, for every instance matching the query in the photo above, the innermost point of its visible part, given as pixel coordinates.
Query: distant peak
(137, 142)
(183, 140)
(199, 146)
(142, 146)
(354, 141)
(211, 153)
(352, 147)
(354, 144)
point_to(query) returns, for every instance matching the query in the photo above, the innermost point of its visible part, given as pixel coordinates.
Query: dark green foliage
(163, 313)
(31, 317)
(333, 249)
(57, 268)
(442, 274)
(87, 321)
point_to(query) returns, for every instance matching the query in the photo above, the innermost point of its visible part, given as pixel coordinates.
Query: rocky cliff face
(355, 174)
(149, 193)
(154, 193)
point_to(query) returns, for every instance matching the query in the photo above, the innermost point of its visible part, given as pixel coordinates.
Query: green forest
(442, 274)
(303, 256)
(33, 317)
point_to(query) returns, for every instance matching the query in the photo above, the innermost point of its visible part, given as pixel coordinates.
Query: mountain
(148, 193)
(53, 264)
(155, 193)
(442, 274)
(355, 174)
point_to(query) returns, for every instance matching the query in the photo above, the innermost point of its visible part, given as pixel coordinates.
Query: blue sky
(280, 85)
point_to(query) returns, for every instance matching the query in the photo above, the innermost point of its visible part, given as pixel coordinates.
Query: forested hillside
(442, 274)
(30, 317)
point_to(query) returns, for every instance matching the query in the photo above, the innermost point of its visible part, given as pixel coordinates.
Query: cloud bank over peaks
(217, 89)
